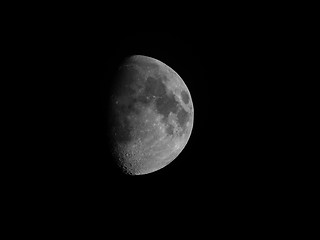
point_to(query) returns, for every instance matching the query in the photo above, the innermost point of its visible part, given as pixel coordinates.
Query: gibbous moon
(151, 115)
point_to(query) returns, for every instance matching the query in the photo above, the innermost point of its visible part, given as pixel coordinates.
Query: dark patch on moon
(185, 97)
(165, 102)
(170, 130)
(183, 118)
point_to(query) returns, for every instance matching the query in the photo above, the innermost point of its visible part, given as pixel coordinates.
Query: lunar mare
(145, 140)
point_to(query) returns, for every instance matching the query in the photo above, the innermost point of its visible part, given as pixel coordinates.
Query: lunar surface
(151, 115)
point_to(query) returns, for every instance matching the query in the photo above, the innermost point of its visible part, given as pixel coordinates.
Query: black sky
(224, 76)
(233, 66)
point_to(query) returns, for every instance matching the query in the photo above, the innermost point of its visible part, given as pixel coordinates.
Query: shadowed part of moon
(185, 97)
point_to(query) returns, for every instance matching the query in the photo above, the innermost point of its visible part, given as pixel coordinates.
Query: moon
(151, 115)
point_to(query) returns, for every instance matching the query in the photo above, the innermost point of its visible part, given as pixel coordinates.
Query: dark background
(226, 73)
(235, 165)
(236, 172)
(230, 162)
(229, 72)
